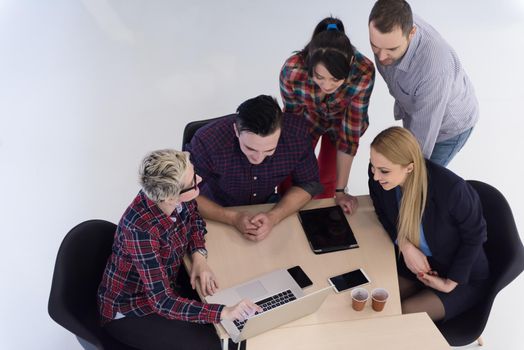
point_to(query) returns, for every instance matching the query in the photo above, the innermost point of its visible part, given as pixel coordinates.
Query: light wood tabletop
(335, 325)
(400, 332)
(235, 259)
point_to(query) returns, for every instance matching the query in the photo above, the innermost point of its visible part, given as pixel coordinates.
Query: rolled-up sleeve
(145, 255)
(291, 101)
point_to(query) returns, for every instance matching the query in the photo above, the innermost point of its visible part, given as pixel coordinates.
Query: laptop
(279, 296)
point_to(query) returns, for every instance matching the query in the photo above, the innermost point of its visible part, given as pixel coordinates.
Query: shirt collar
(151, 206)
(405, 61)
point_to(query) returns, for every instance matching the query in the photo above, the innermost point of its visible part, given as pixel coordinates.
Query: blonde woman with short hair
(145, 300)
(435, 219)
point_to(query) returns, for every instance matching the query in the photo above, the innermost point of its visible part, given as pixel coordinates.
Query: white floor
(88, 87)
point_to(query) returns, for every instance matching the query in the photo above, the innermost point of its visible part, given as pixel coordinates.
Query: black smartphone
(349, 280)
(300, 276)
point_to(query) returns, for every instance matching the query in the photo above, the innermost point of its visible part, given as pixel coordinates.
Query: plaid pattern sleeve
(201, 157)
(140, 275)
(288, 74)
(296, 139)
(343, 115)
(198, 228)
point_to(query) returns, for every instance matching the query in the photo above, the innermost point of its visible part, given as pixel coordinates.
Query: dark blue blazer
(454, 226)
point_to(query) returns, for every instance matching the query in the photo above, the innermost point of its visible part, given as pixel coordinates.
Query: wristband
(201, 251)
(343, 190)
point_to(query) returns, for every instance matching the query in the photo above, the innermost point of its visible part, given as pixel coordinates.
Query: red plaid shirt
(140, 274)
(343, 115)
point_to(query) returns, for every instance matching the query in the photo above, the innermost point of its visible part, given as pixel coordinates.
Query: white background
(88, 87)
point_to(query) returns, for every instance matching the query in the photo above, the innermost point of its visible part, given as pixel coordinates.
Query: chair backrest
(504, 248)
(192, 127)
(79, 267)
(505, 254)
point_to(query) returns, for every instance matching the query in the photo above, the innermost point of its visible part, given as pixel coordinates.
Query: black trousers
(154, 332)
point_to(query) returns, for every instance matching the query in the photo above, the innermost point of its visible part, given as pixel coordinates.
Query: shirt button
(254, 178)
(254, 194)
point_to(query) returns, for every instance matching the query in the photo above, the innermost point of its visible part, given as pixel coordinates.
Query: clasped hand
(415, 260)
(418, 263)
(434, 281)
(254, 227)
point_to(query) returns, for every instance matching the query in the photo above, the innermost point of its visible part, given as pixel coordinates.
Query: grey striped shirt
(433, 95)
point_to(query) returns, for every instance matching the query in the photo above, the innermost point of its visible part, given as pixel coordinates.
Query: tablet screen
(327, 229)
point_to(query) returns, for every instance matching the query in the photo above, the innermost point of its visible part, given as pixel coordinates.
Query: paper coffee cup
(379, 296)
(359, 297)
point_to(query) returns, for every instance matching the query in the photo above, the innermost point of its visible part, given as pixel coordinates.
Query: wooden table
(235, 259)
(400, 332)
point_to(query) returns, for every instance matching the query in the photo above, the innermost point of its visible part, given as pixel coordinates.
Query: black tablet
(327, 229)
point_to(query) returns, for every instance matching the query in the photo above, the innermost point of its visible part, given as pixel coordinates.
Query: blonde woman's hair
(399, 146)
(161, 173)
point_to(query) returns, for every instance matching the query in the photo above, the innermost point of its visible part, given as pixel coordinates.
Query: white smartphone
(349, 280)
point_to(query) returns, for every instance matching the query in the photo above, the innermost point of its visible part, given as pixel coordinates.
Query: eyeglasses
(193, 187)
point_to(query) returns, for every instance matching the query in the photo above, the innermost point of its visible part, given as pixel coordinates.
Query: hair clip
(332, 26)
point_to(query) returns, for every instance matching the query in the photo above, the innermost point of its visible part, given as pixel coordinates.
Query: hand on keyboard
(268, 304)
(241, 311)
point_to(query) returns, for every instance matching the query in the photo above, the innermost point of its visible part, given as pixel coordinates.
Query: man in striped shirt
(434, 97)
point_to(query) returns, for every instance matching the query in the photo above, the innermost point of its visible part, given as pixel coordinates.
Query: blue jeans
(444, 151)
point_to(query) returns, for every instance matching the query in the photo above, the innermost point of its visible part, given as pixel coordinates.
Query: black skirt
(463, 297)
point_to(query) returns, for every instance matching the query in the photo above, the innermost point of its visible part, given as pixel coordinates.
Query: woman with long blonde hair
(435, 219)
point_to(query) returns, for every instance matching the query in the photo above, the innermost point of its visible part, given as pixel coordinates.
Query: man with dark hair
(243, 158)
(433, 95)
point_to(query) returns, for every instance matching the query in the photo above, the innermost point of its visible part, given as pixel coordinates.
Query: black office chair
(79, 267)
(506, 258)
(192, 127)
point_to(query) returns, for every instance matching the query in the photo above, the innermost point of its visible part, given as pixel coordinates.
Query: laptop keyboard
(270, 303)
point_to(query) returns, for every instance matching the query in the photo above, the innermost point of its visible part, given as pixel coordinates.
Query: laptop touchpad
(252, 291)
